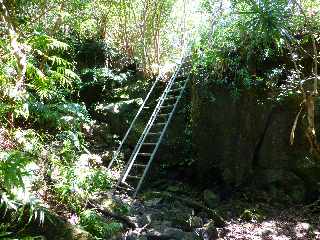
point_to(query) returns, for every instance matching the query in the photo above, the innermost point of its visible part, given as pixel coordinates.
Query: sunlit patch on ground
(270, 230)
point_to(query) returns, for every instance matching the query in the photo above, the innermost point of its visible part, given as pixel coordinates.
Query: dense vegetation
(65, 64)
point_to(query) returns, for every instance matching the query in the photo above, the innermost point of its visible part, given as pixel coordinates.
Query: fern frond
(58, 61)
(55, 44)
(42, 42)
(65, 76)
(57, 75)
(34, 72)
(71, 74)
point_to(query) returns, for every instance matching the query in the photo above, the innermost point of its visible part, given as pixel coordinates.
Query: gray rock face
(246, 140)
(225, 134)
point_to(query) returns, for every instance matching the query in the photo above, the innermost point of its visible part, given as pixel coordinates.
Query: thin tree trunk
(143, 34)
(157, 35)
(315, 66)
(18, 50)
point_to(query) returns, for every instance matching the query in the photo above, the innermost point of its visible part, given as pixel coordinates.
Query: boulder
(211, 231)
(169, 233)
(117, 115)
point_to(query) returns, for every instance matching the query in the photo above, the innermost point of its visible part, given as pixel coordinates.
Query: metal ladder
(145, 150)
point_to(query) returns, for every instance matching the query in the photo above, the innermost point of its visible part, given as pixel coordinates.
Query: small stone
(170, 233)
(164, 233)
(211, 231)
(86, 160)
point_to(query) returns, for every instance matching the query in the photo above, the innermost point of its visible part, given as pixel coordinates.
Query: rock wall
(245, 140)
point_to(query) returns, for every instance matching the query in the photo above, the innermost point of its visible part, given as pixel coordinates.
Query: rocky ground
(179, 212)
(169, 216)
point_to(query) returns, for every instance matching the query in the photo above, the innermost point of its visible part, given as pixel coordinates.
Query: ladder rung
(146, 107)
(133, 177)
(127, 185)
(149, 144)
(140, 165)
(145, 154)
(164, 114)
(154, 133)
(167, 106)
(170, 98)
(176, 89)
(124, 188)
(160, 124)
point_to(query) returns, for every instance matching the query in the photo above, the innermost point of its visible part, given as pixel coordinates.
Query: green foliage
(51, 75)
(251, 215)
(76, 177)
(12, 169)
(92, 53)
(19, 215)
(98, 226)
(104, 76)
(43, 113)
(61, 116)
(245, 43)
(75, 186)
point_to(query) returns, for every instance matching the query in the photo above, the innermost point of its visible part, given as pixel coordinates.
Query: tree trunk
(18, 50)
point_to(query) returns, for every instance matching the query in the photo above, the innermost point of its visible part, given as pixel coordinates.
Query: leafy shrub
(19, 215)
(76, 179)
(93, 53)
(102, 84)
(246, 41)
(51, 74)
(12, 169)
(59, 116)
(98, 226)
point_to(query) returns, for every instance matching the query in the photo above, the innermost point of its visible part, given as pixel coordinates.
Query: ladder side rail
(149, 124)
(133, 121)
(160, 138)
(134, 154)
